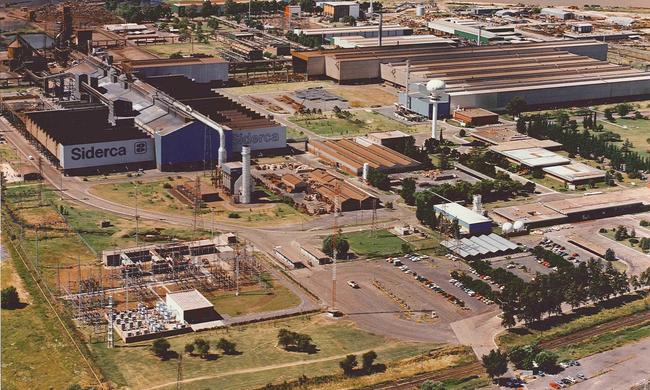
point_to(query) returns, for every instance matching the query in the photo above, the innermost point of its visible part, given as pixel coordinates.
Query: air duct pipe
(245, 175)
(204, 119)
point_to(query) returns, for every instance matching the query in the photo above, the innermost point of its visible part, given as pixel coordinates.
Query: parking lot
(394, 303)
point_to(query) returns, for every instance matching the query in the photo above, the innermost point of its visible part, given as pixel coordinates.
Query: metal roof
(575, 171)
(190, 300)
(462, 213)
(535, 157)
(480, 245)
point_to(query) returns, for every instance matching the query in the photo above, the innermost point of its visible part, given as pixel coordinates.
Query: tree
(285, 338)
(610, 255)
(623, 109)
(349, 20)
(609, 114)
(406, 248)
(202, 347)
(367, 361)
(408, 191)
(516, 106)
(495, 363)
(189, 348)
(431, 385)
(348, 364)
(546, 360)
(521, 125)
(228, 347)
(379, 179)
(342, 246)
(160, 347)
(230, 7)
(9, 298)
(75, 386)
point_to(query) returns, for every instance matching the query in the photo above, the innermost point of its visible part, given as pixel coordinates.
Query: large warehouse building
(190, 125)
(83, 140)
(543, 74)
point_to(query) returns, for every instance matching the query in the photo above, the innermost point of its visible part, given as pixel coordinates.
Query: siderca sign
(106, 153)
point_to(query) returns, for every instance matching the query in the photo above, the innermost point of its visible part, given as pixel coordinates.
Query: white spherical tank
(518, 225)
(506, 227)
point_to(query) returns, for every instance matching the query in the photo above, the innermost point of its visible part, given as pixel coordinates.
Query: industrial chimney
(245, 197)
(366, 171)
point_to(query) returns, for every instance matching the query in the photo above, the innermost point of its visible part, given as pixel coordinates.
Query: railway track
(413, 382)
(597, 330)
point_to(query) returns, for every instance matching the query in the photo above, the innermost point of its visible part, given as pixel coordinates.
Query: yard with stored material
(360, 122)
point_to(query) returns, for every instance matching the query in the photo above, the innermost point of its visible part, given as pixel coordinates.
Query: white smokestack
(408, 74)
(366, 171)
(435, 132)
(246, 175)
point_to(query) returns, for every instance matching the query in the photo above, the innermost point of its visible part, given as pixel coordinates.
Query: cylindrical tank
(366, 171)
(246, 175)
(518, 225)
(419, 10)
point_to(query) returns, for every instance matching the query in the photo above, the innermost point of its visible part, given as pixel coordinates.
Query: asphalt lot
(617, 369)
(374, 310)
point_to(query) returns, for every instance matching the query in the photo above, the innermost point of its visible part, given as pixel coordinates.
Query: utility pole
(37, 269)
(137, 223)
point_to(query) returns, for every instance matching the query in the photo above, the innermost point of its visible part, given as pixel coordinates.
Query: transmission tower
(109, 331)
(373, 226)
(40, 183)
(179, 372)
(197, 205)
(334, 243)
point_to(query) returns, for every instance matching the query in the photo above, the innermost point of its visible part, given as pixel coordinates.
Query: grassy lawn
(36, 353)
(573, 323)
(361, 122)
(636, 130)
(427, 246)
(7, 153)
(259, 359)
(254, 299)
(612, 232)
(605, 342)
(381, 243)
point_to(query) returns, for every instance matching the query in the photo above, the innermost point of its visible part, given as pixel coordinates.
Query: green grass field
(185, 49)
(254, 299)
(381, 243)
(36, 353)
(636, 130)
(7, 153)
(260, 361)
(510, 339)
(361, 122)
(611, 232)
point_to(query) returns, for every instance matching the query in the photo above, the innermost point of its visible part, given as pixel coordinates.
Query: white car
(353, 284)
(30, 157)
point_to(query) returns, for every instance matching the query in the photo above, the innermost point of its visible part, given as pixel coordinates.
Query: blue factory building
(420, 104)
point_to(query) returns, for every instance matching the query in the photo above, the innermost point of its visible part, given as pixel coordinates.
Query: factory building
(371, 64)
(369, 31)
(84, 141)
(545, 75)
(190, 306)
(557, 13)
(335, 191)
(475, 31)
(470, 222)
(357, 41)
(575, 173)
(337, 10)
(476, 117)
(350, 156)
(201, 70)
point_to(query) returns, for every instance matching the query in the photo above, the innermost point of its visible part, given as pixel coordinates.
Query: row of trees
(544, 295)
(341, 243)
(312, 41)
(161, 347)
(349, 364)
(524, 357)
(135, 13)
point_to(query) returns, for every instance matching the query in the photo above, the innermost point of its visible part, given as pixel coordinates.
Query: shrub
(234, 215)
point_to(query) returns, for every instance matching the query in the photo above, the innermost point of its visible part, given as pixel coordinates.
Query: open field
(604, 342)
(571, 324)
(361, 122)
(636, 130)
(254, 299)
(153, 196)
(377, 244)
(260, 361)
(36, 354)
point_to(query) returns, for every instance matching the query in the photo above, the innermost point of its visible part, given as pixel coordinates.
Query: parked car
(353, 284)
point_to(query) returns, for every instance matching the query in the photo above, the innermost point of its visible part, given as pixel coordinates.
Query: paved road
(617, 369)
